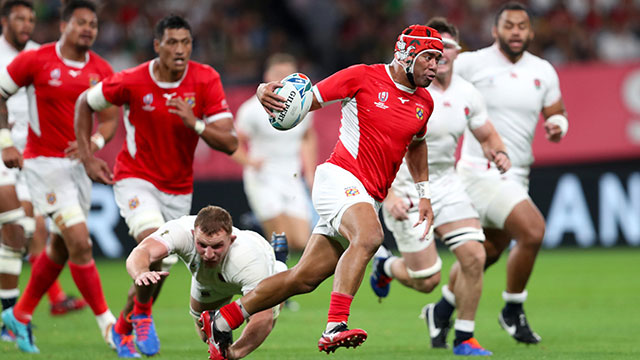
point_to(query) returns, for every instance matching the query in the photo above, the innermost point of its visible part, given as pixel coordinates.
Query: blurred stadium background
(588, 186)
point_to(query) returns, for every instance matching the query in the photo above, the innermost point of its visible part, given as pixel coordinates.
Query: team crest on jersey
(536, 83)
(51, 198)
(133, 203)
(467, 112)
(148, 100)
(55, 77)
(446, 104)
(420, 113)
(383, 96)
(94, 79)
(351, 191)
(191, 100)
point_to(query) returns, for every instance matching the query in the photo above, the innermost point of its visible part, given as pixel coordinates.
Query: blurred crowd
(235, 36)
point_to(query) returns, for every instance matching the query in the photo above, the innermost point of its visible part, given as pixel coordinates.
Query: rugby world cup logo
(382, 96)
(55, 77)
(148, 100)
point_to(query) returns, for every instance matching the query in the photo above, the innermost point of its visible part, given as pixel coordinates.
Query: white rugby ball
(296, 89)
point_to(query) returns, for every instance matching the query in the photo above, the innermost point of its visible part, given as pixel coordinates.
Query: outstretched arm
(10, 154)
(418, 164)
(271, 101)
(258, 327)
(492, 146)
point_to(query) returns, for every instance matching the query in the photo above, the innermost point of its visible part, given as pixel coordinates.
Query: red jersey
(159, 148)
(379, 119)
(57, 83)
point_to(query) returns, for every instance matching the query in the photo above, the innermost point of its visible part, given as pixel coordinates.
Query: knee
(369, 241)
(474, 262)
(80, 248)
(427, 285)
(533, 235)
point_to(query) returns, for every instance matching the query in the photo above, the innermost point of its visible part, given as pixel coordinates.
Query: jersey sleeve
(476, 112)
(110, 91)
(552, 93)
(175, 236)
(342, 85)
(19, 72)
(215, 100)
(245, 119)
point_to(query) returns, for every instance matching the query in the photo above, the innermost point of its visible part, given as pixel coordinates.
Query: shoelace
(142, 328)
(127, 341)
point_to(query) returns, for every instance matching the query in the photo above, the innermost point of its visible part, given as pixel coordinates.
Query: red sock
(43, 274)
(123, 326)
(339, 307)
(88, 282)
(142, 308)
(55, 292)
(233, 314)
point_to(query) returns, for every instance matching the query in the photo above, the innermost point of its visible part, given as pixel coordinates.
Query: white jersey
(18, 103)
(514, 93)
(457, 108)
(250, 258)
(279, 149)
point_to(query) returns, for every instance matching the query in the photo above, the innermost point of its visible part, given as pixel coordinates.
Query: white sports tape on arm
(428, 272)
(98, 139)
(5, 139)
(199, 127)
(561, 121)
(10, 260)
(8, 87)
(424, 191)
(96, 99)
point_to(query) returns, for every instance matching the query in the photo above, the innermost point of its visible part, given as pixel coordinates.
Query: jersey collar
(164, 84)
(71, 63)
(398, 85)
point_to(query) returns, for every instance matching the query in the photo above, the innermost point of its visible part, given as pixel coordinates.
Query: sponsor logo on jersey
(74, 74)
(51, 198)
(55, 77)
(351, 191)
(536, 83)
(164, 233)
(148, 100)
(94, 79)
(169, 96)
(402, 100)
(133, 203)
(420, 113)
(382, 96)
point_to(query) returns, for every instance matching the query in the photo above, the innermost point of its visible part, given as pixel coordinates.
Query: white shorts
(56, 184)
(449, 202)
(271, 194)
(494, 195)
(16, 178)
(334, 191)
(139, 198)
(7, 176)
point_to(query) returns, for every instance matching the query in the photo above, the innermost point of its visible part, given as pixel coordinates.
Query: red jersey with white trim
(159, 148)
(379, 119)
(55, 83)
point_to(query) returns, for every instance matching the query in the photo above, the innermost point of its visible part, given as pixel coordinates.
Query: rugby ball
(296, 89)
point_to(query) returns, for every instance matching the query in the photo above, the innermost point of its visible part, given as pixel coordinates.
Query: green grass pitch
(584, 303)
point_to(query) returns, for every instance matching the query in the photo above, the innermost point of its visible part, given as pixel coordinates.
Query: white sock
(517, 298)
(221, 323)
(387, 266)
(464, 325)
(330, 326)
(448, 295)
(244, 312)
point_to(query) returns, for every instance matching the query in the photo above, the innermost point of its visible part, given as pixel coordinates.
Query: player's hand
(502, 161)
(426, 214)
(553, 132)
(98, 170)
(183, 110)
(150, 277)
(12, 157)
(397, 208)
(269, 99)
(255, 163)
(71, 151)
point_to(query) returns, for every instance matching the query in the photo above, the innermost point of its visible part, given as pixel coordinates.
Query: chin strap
(410, 78)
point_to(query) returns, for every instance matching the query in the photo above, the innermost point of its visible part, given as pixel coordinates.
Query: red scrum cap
(415, 40)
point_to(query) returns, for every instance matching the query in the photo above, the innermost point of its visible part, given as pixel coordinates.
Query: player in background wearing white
(55, 74)
(274, 163)
(385, 109)
(457, 106)
(18, 23)
(170, 103)
(224, 261)
(517, 87)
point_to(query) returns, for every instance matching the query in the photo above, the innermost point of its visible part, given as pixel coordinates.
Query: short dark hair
(280, 58)
(513, 5)
(72, 5)
(443, 26)
(8, 6)
(171, 22)
(212, 219)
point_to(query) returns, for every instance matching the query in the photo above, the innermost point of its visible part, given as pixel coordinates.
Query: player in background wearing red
(18, 22)
(56, 74)
(171, 102)
(385, 108)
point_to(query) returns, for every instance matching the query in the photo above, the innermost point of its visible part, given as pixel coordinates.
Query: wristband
(199, 127)
(424, 192)
(503, 152)
(98, 139)
(561, 121)
(5, 139)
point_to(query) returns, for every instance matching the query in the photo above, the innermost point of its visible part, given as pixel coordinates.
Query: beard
(504, 45)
